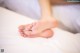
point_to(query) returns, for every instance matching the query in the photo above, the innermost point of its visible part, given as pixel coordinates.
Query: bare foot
(26, 31)
(43, 25)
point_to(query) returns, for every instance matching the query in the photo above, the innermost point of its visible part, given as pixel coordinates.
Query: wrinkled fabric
(28, 8)
(67, 15)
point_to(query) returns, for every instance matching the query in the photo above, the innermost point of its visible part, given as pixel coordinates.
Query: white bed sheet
(12, 42)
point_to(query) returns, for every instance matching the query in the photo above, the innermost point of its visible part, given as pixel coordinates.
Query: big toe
(21, 27)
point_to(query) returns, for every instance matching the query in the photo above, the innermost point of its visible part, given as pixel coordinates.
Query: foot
(26, 31)
(43, 25)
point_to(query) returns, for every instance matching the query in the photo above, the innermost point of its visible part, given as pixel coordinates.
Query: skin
(25, 31)
(43, 28)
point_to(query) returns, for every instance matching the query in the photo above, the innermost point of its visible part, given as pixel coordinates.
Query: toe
(27, 33)
(21, 27)
(21, 33)
(28, 27)
(21, 30)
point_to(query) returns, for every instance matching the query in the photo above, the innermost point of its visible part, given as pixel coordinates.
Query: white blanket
(12, 42)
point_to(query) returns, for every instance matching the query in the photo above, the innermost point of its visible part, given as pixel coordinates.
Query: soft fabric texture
(11, 41)
(2, 3)
(28, 8)
(67, 15)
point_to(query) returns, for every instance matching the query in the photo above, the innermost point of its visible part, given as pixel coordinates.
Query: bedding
(11, 41)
